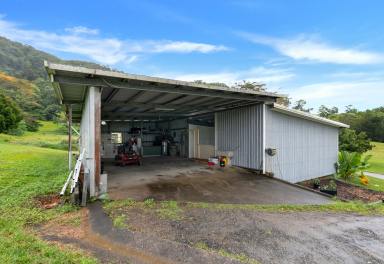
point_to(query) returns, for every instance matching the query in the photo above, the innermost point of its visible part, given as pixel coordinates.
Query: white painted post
(69, 117)
(264, 137)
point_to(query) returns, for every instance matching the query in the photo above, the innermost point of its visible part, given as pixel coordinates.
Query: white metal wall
(305, 149)
(87, 138)
(241, 131)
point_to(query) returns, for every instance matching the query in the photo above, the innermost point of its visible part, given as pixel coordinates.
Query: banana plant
(350, 164)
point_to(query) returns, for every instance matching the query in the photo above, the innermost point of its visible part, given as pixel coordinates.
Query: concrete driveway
(166, 178)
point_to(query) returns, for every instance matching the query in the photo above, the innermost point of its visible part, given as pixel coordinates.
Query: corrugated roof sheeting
(241, 130)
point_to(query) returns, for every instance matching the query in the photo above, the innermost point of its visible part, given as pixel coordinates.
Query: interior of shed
(141, 132)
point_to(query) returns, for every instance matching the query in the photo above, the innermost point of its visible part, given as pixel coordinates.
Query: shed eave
(54, 68)
(307, 116)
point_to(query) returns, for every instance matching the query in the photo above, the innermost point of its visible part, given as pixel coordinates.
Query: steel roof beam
(176, 90)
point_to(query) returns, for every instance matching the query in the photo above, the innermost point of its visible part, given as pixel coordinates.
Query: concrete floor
(167, 178)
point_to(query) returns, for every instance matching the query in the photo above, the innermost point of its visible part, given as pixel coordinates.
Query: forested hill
(24, 82)
(25, 62)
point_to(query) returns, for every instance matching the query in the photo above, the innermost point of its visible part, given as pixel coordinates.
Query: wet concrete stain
(226, 186)
(186, 180)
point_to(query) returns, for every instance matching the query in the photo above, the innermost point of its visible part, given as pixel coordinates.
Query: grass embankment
(377, 160)
(27, 171)
(50, 135)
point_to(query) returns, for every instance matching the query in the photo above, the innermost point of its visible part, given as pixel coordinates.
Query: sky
(326, 52)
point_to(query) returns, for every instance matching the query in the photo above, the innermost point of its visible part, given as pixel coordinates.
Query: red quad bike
(124, 159)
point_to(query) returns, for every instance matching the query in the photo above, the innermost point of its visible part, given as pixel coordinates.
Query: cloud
(269, 76)
(84, 41)
(82, 30)
(360, 93)
(310, 48)
(186, 47)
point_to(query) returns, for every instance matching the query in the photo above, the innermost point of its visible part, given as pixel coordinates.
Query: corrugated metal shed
(306, 149)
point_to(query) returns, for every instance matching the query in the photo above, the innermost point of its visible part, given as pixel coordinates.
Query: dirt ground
(300, 237)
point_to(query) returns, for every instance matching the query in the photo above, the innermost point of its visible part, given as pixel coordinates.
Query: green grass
(120, 221)
(373, 183)
(27, 171)
(239, 257)
(50, 135)
(377, 160)
(174, 210)
(335, 207)
(169, 210)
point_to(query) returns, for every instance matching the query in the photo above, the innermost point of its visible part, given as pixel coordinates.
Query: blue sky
(326, 52)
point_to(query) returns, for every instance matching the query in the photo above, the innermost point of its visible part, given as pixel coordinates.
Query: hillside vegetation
(26, 62)
(24, 80)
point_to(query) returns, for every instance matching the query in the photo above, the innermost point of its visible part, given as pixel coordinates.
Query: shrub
(350, 140)
(10, 114)
(350, 163)
(19, 130)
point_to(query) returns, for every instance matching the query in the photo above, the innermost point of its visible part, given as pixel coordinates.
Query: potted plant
(316, 183)
(330, 188)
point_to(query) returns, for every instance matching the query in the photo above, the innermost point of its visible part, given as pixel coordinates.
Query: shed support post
(97, 135)
(264, 137)
(69, 118)
(216, 133)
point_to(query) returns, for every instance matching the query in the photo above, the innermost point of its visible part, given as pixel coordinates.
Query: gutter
(307, 116)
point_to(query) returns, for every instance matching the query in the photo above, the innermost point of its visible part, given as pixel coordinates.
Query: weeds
(336, 207)
(170, 210)
(239, 257)
(119, 221)
(149, 203)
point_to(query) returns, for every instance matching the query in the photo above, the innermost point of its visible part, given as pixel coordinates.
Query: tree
(251, 86)
(50, 108)
(350, 109)
(350, 140)
(327, 112)
(372, 122)
(286, 101)
(300, 104)
(10, 114)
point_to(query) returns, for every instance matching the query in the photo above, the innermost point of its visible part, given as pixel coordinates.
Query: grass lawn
(27, 171)
(373, 183)
(377, 160)
(50, 135)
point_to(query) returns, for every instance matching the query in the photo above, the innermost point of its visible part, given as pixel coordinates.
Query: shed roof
(131, 96)
(308, 116)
